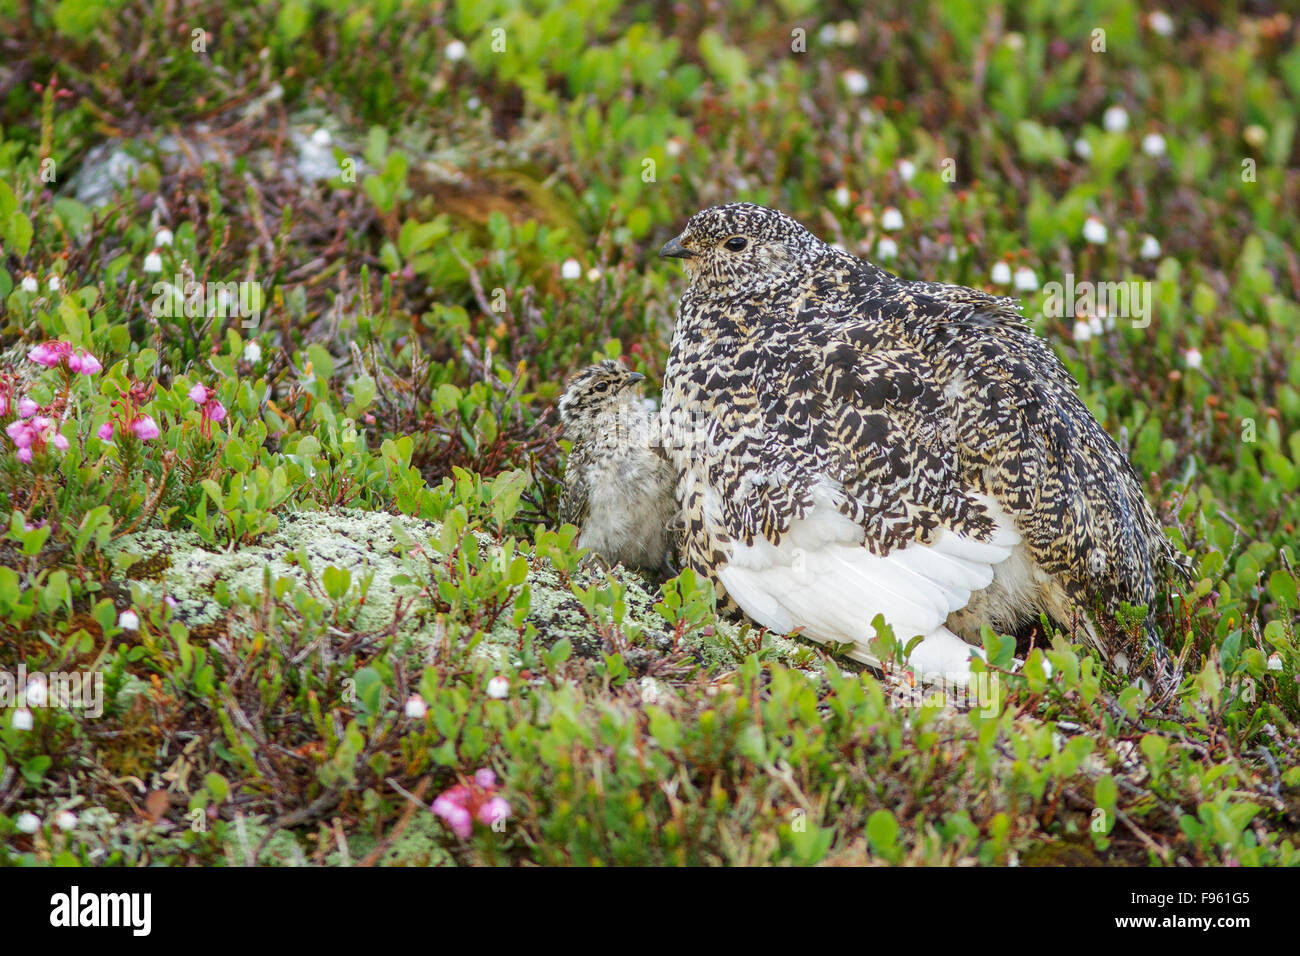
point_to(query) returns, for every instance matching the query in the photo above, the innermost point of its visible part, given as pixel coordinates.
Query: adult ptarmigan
(849, 444)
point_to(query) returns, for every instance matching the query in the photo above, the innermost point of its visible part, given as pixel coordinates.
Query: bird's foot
(668, 568)
(593, 562)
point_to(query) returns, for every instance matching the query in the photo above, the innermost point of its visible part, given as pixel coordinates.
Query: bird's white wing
(823, 578)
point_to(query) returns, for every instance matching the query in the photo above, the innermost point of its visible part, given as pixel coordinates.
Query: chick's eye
(736, 244)
(601, 386)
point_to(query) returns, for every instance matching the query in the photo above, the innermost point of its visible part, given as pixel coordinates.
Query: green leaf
(1229, 651)
(506, 491)
(882, 833)
(293, 19)
(727, 62)
(18, 232)
(79, 18)
(217, 787)
(33, 769)
(1154, 747)
(1040, 144)
(666, 731)
(559, 653)
(337, 582)
(1282, 585)
(1106, 792)
(322, 365)
(363, 393)
(370, 690)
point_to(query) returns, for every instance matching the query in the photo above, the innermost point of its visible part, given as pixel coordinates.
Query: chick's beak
(673, 249)
(634, 378)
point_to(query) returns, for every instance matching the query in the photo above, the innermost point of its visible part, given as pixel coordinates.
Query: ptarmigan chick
(849, 444)
(618, 488)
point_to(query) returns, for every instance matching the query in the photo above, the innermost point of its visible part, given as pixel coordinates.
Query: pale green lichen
(244, 836)
(360, 542)
(419, 844)
(372, 544)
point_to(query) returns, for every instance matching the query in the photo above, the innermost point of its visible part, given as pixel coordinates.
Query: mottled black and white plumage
(618, 487)
(848, 444)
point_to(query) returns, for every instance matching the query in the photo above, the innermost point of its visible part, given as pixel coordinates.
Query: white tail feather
(821, 578)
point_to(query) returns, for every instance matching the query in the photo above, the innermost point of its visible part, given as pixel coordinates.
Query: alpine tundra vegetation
(290, 294)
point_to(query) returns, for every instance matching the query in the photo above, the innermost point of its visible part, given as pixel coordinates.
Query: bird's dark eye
(736, 244)
(601, 386)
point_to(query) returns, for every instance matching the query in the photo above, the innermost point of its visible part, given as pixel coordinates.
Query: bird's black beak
(634, 378)
(673, 249)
